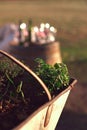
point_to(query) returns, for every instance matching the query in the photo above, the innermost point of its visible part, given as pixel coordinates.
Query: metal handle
(29, 71)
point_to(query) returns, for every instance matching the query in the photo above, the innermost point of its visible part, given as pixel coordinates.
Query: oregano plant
(55, 77)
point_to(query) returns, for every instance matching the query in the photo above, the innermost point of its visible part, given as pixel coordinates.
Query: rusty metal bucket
(47, 116)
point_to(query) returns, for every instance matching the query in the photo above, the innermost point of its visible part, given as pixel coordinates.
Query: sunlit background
(69, 18)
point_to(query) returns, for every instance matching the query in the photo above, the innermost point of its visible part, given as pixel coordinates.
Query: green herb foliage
(9, 89)
(55, 77)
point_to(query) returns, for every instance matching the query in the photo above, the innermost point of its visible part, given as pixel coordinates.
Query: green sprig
(55, 77)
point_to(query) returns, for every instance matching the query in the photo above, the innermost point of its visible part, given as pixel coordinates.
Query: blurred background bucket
(49, 52)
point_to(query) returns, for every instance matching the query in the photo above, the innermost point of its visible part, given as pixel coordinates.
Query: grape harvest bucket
(46, 116)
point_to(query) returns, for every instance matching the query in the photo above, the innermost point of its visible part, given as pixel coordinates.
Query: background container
(49, 52)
